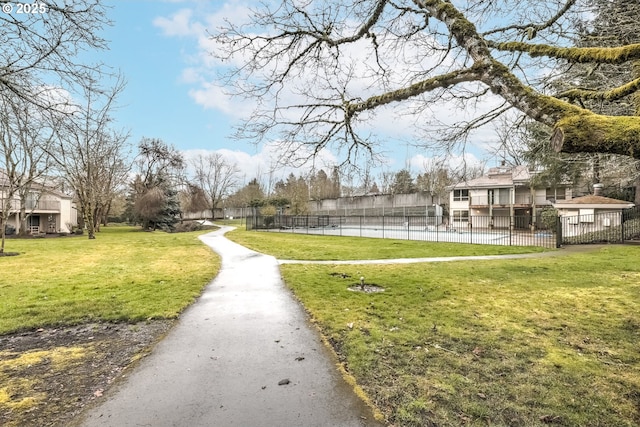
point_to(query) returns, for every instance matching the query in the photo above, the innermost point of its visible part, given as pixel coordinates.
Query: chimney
(597, 189)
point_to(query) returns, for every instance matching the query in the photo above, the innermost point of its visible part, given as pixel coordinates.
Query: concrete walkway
(417, 260)
(222, 363)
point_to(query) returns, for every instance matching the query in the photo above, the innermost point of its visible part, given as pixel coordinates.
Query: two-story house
(503, 198)
(46, 209)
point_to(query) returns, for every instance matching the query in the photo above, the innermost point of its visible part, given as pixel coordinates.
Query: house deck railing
(43, 205)
(36, 205)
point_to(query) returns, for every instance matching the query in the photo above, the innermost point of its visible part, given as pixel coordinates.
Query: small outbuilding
(590, 213)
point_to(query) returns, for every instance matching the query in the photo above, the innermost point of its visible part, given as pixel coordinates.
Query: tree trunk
(23, 220)
(105, 214)
(97, 216)
(637, 188)
(91, 232)
(3, 232)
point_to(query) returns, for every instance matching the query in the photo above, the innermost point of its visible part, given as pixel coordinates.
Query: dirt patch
(368, 288)
(48, 376)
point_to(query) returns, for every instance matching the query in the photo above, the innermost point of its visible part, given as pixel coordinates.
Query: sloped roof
(36, 185)
(499, 177)
(593, 201)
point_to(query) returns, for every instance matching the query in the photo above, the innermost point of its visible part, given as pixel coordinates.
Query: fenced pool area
(432, 229)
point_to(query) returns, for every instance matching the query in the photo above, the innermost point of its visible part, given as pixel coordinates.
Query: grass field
(123, 275)
(538, 342)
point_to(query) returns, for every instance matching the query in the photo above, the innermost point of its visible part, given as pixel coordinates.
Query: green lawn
(536, 342)
(123, 275)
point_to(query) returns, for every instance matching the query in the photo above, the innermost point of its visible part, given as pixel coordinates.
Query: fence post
(408, 225)
(622, 226)
(383, 225)
(558, 231)
(511, 221)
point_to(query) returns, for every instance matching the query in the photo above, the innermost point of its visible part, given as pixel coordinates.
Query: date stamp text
(24, 8)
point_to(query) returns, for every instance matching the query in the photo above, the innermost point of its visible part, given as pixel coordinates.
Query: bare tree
(306, 63)
(90, 154)
(24, 139)
(39, 49)
(192, 199)
(244, 196)
(216, 176)
(436, 179)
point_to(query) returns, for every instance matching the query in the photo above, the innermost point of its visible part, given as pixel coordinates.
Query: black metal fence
(517, 232)
(604, 227)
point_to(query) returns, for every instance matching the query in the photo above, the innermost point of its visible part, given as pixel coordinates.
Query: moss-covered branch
(599, 55)
(441, 81)
(607, 95)
(593, 133)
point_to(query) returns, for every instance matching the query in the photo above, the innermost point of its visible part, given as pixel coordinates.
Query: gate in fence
(602, 227)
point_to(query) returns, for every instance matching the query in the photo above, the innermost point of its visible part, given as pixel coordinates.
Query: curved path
(416, 260)
(222, 363)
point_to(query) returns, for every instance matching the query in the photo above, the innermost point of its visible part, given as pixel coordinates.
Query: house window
(554, 194)
(499, 196)
(32, 201)
(460, 195)
(461, 216)
(586, 215)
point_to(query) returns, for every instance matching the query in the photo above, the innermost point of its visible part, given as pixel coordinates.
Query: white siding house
(504, 198)
(47, 210)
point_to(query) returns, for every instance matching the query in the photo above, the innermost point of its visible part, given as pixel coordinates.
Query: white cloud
(395, 122)
(179, 24)
(419, 162)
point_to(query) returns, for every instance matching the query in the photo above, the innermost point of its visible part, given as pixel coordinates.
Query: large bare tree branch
(417, 52)
(532, 28)
(42, 49)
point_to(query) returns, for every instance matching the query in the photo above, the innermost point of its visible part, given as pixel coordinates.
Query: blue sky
(156, 102)
(161, 48)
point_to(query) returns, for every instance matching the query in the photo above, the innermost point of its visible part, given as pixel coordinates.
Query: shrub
(548, 217)
(9, 230)
(188, 226)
